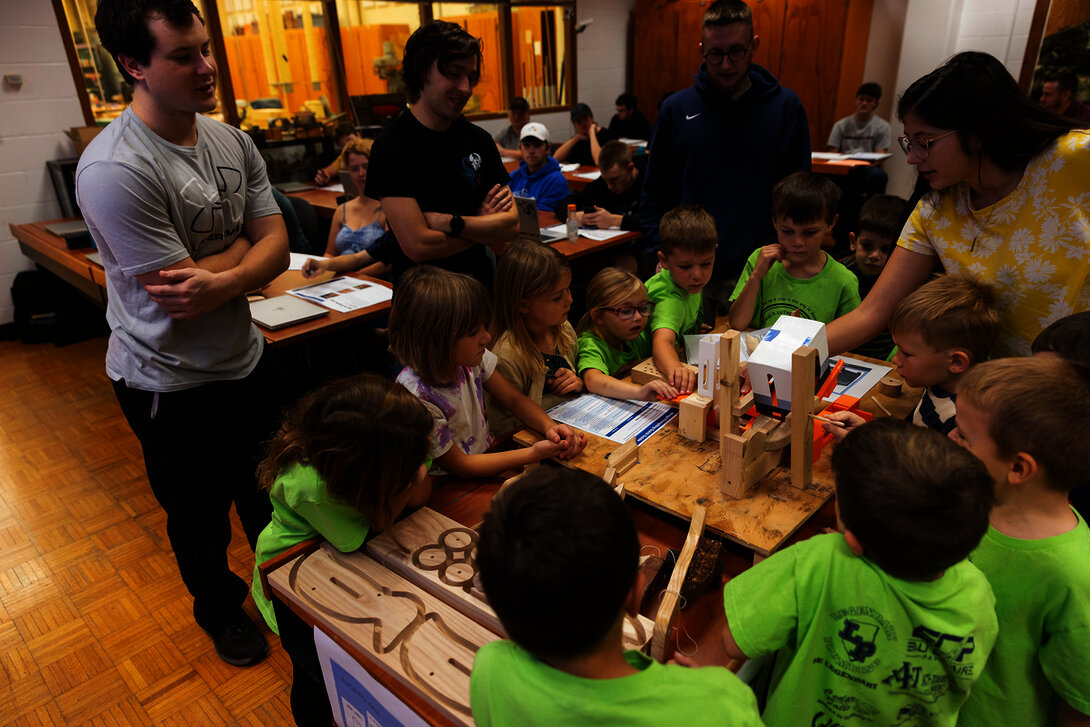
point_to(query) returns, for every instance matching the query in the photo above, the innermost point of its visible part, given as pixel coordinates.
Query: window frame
(333, 36)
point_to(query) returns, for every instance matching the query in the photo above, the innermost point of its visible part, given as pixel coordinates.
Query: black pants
(309, 700)
(201, 447)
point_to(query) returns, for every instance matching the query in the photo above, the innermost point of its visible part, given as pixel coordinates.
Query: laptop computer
(289, 187)
(351, 191)
(284, 310)
(530, 226)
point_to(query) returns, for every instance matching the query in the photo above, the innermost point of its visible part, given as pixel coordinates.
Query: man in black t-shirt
(439, 178)
(587, 142)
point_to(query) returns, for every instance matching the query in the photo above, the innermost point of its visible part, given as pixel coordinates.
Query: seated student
(687, 255)
(539, 175)
(1027, 420)
(612, 200)
(586, 144)
(887, 623)
(1069, 338)
(941, 330)
(344, 133)
(629, 122)
(507, 141)
(863, 131)
(613, 337)
(558, 557)
(794, 276)
(438, 330)
(880, 222)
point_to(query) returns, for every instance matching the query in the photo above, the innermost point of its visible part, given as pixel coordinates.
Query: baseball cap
(534, 130)
(580, 111)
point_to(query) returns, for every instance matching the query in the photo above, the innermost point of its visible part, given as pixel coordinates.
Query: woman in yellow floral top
(1010, 203)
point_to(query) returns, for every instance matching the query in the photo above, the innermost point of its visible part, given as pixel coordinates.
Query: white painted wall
(32, 120)
(602, 50)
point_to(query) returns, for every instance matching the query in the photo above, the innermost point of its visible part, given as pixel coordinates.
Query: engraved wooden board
(423, 642)
(439, 555)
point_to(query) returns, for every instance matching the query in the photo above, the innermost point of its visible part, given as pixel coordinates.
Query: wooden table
(72, 266)
(675, 474)
(324, 201)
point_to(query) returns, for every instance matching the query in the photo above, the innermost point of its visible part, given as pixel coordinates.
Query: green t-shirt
(1042, 599)
(510, 687)
(856, 646)
(595, 353)
(302, 508)
(676, 309)
(826, 296)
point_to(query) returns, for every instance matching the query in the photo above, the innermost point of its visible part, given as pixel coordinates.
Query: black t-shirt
(597, 194)
(581, 151)
(449, 171)
(635, 126)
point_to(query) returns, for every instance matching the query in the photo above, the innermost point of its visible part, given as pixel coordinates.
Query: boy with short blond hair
(942, 329)
(794, 276)
(1026, 420)
(559, 560)
(687, 257)
(886, 623)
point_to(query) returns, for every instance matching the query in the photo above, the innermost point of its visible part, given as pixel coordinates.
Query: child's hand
(769, 254)
(565, 382)
(572, 441)
(313, 267)
(850, 419)
(705, 328)
(654, 390)
(547, 448)
(682, 378)
(744, 386)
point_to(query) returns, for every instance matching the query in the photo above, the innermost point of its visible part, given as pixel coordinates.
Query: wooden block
(619, 489)
(417, 638)
(440, 556)
(890, 386)
(646, 371)
(668, 608)
(746, 460)
(743, 405)
(803, 367)
(610, 476)
(624, 456)
(729, 385)
(693, 417)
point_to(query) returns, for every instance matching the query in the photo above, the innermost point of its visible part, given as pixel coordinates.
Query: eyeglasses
(920, 146)
(735, 54)
(628, 312)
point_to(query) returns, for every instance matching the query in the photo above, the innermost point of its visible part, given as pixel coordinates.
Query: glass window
(373, 35)
(540, 54)
(279, 59)
(481, 21)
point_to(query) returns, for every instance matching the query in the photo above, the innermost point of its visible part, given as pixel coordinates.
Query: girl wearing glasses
(1010, 183)
(614, 336)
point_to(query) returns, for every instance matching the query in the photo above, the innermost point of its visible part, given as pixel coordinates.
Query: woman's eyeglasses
(921, 146)
(628, 312)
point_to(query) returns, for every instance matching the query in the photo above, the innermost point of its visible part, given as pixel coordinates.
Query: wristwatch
(457, 224)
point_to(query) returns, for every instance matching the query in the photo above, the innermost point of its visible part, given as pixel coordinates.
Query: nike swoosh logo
(690, 118)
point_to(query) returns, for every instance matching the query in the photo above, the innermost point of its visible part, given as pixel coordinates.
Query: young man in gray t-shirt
(181, 209)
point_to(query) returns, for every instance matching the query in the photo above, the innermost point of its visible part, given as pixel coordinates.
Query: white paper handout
(344, 294)
(617, 420)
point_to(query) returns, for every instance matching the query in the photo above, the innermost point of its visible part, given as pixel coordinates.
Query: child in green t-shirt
(687, 255)
(613, 337)
(887, 623)
(1027, 419)
(558, 557)
(348, 458)
(794, 276)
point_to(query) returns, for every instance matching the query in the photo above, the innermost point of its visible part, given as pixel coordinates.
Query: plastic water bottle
(573, 224)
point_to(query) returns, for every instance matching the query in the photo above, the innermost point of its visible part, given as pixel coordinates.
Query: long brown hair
(526, 270)
(366, 436)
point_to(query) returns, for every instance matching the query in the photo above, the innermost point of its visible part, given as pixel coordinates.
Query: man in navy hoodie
(725, 142)
(539, 175)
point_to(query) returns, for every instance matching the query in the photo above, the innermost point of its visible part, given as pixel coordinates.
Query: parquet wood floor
(95, 624)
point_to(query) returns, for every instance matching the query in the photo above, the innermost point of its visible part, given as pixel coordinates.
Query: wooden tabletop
(89, 278)
(838, 167)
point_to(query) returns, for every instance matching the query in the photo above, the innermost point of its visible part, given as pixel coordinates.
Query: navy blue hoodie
(725, 155)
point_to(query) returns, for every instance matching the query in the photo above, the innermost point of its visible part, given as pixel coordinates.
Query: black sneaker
(239, 642)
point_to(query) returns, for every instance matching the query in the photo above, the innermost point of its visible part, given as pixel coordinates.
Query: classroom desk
(839, 167)
(675, 474)
(323, 201)
(699, 624)
(73, 267)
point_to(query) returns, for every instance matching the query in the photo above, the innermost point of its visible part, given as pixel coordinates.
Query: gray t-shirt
(149, 204)
(851, 137)
(508, 138)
